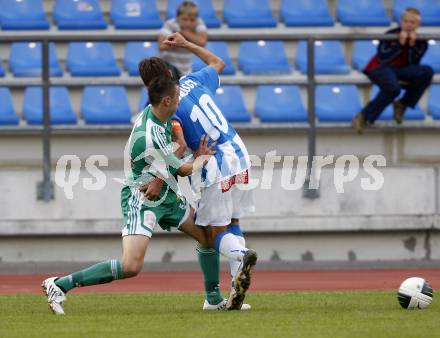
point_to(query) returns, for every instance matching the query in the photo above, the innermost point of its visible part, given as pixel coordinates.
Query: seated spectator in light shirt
(188, 23)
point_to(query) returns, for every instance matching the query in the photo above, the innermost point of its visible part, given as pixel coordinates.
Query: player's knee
(204, 240)
(212, 233)
(131, 268)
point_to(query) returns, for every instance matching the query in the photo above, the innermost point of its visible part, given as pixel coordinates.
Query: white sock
(231, 247)
(235, 265)
(242, 240)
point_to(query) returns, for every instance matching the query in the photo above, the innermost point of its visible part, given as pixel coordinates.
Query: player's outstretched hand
(204, 148)
(205, 151)
(176, 40)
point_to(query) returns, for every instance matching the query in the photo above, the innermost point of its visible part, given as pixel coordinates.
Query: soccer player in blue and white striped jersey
(224, 197)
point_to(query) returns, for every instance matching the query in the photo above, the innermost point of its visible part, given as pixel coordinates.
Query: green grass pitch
(293, 314)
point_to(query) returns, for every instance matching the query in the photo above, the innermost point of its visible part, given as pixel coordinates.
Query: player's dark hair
(161, 87)
(152, 68)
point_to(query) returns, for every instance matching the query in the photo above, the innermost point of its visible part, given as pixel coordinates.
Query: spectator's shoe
(242, 281)
(398, 111)
(55, 296)
(222, 306)
(359, 123)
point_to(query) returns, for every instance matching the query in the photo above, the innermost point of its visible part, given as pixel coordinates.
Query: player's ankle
(214, 297)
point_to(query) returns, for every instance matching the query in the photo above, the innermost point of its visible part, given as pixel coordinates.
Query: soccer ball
(415, 293)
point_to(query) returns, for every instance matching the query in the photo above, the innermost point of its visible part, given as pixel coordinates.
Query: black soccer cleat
(242, 281)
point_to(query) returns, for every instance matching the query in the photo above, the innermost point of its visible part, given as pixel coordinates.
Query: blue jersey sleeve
(208, 77)
(177, 118)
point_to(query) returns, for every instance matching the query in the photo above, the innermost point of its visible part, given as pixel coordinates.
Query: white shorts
(221, 202)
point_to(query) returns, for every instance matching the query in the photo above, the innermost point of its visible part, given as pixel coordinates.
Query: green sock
(100, 273)
(209, 261)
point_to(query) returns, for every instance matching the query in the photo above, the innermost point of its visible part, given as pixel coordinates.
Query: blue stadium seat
(143, 99)
(7, 112)
(135, 14)
(105, 105)
(219, 48)
(60, 107)
(74, 14)
(434, 101)
(337, 103)
(206, 11)
(2, 70)
(279, 104)
(263, 57)
(91, 59)
(305, 13)
(25, 59)
(230, 101)
(362, 53)
(432, 55)
(362, 13)
(329, 57)
(248, 14)
(415, 114)
(136, 51)
(24, 14)
(429, 10)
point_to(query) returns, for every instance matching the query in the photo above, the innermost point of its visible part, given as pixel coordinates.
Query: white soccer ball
(415, 293)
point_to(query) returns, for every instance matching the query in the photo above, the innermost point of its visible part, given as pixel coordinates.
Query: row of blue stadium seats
(143, 14)
(255, 57)
(109, 105)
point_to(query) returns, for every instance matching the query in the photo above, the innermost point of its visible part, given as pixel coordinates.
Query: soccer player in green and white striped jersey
(152, 157)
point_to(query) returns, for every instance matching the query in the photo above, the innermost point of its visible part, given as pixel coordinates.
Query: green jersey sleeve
(167, 160)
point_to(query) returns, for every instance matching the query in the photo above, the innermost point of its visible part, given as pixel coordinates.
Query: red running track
(292, 280)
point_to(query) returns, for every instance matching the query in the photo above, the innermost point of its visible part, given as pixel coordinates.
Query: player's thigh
(196, 232)
(214, 207)
(139, 224)
(133, 253)
(134, 247)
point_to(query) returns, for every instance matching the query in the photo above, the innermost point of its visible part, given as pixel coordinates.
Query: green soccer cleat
(242, 281)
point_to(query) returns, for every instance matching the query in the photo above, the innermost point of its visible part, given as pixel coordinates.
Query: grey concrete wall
(272, 247)
(399, 221)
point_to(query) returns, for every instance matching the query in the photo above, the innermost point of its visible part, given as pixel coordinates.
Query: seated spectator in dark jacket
(395, 61)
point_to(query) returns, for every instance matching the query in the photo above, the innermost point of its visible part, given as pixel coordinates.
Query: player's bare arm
(162, 45)
(202, 156)
(151, 190)
(199, 38)
(178, 137)
(178, 40)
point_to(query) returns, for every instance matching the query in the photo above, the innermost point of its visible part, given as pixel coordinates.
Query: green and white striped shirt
(151, 151)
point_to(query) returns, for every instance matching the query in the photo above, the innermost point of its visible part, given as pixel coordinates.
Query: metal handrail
(287, 35)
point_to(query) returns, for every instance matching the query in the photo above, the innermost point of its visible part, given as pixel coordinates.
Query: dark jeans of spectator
(416, 77)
